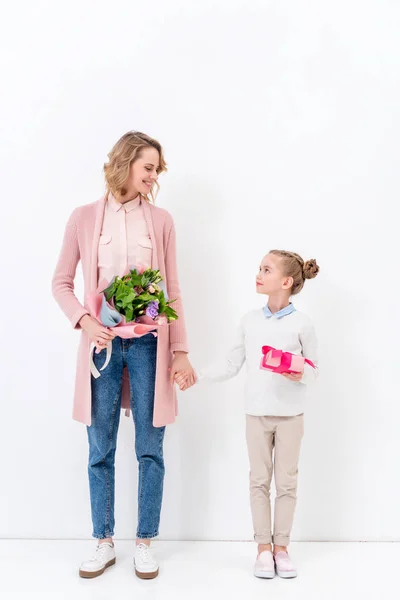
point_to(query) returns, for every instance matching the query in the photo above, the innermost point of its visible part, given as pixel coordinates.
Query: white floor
(197, 570)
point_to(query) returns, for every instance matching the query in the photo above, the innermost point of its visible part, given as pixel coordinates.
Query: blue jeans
(139, 355)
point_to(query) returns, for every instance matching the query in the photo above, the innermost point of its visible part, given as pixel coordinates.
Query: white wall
(280, 123)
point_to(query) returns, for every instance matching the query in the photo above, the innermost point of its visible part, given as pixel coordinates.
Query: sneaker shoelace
(144, 553)
(99, 553)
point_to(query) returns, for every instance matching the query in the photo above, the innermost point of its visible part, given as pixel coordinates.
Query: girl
(274, 403)
(122, 230)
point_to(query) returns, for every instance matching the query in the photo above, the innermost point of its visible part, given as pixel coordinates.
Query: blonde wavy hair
(294, 266)
(124, 153)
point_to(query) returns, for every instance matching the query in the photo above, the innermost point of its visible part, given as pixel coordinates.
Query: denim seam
(103, 536)
(156, 533)
(112, 424)
(140, 492)
(161, 441)
(141, 486)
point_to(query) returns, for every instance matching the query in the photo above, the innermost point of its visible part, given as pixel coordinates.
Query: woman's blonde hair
(294, 266)
(124, 153)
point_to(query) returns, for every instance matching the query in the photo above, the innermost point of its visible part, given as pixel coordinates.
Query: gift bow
(278, 361)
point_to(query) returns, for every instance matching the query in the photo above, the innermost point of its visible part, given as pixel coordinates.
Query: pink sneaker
(284, 566)
(264, 566)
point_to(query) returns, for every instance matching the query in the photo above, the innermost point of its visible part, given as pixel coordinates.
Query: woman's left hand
(181, 363)
(293, 376)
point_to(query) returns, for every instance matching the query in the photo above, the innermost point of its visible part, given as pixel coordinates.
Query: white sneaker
(103, 557)
(265, 566)
(146, 566)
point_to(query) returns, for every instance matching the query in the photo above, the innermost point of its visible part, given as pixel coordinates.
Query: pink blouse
(125, 240)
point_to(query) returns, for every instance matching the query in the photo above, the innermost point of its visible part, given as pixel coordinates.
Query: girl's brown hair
(294, 266)
(124, 153)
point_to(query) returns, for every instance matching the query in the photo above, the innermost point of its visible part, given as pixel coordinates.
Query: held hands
(183, 380)
(98, 334)
(182, 371)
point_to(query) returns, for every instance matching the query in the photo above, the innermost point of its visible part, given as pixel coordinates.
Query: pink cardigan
(81, 242)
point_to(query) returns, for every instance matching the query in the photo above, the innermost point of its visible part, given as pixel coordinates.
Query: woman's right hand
(184, 381)
(98, 334)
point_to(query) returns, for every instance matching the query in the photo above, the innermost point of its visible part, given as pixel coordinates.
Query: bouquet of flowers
(135, 305)
(137, 294)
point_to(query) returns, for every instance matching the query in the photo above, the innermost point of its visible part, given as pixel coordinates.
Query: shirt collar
(288, 310)
(128, 206)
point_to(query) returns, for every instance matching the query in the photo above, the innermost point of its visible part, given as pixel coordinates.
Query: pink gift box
(278, 361)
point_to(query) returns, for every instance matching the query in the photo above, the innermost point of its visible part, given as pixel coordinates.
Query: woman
(122, 230)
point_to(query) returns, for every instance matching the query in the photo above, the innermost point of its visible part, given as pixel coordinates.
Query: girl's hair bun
(310, 269)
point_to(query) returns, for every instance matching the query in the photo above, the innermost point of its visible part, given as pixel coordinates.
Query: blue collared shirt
(288, 310)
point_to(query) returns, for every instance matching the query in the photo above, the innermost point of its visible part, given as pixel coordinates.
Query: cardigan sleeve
(177, 331)
(64, 275)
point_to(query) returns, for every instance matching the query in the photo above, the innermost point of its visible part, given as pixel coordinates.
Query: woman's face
(143, 173)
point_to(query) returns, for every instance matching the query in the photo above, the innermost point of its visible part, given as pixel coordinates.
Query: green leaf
(109, 294)
(110, 290)
(123, 290)
(130, 296)
(129, 314)
(127, 300)
(171, 314)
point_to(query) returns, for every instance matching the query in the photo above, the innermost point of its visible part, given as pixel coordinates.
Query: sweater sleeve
(177, 331)
(309, 344)
(64, 275)
(230, 367)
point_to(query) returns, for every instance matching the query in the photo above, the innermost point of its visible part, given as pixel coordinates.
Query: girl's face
(143, 173)
(270, 280)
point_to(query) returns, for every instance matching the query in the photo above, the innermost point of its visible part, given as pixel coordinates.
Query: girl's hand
(293, 376)
(180, 365)
(98, 334)
(181, 379)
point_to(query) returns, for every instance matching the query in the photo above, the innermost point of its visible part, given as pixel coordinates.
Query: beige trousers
(274, 445)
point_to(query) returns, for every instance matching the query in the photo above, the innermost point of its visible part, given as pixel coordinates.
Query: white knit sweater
(269, 393)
